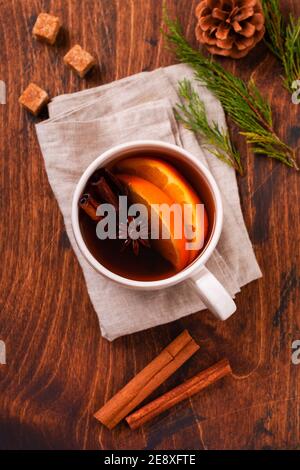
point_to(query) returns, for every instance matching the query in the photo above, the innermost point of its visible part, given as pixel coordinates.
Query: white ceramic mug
(210, 290)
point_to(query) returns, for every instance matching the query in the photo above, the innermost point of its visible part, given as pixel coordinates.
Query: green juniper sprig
(192, 114)
(283, 40)
(241, 101)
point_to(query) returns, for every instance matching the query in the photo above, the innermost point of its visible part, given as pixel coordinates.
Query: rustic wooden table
(59, 370)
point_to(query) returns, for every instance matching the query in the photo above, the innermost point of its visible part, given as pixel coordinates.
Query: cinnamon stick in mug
(176, 395)
(147, 380)
(89, 205)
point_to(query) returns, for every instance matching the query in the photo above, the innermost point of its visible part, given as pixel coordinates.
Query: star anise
(105, 186)
(129, 231)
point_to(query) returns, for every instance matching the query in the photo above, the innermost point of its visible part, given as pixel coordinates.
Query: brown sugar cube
(79, 60)
(46, 28)
(34, 98)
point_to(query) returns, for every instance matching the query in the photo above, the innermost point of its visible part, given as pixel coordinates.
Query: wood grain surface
(59, 370)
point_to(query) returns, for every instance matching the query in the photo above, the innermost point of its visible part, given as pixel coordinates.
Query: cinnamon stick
(176, 395)
(119, 187)
(89, 205)
(147, 380)
(105, 192)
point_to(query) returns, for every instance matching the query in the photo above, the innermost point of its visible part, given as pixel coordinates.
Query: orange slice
(143, 192)
(173, 184)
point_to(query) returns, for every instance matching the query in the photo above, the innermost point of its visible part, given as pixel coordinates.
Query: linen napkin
(83, 125)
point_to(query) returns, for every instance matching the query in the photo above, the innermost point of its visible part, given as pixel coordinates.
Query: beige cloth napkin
(81, 126)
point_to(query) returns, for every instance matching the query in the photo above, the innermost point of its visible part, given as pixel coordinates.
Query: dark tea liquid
(148, 265)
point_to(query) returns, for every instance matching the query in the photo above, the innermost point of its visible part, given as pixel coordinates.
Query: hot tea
(150, 180)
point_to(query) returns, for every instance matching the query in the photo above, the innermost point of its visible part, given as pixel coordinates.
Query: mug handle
(213, 294)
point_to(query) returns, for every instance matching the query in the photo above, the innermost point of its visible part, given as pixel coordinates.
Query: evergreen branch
(241, 101)
(283, 40)
(192, 115)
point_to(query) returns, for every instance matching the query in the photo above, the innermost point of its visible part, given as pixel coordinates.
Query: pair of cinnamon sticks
(103, 186)
(154, 374)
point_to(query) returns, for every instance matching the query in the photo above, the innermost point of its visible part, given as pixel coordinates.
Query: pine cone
(230, 27)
